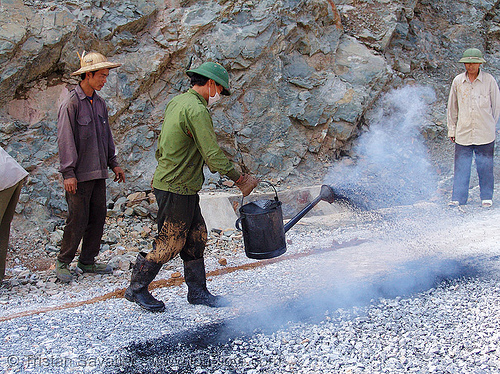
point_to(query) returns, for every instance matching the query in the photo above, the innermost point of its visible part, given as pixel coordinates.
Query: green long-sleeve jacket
(187, 140)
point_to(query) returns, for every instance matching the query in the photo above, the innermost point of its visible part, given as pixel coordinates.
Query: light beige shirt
(473, 109)
(10, 171)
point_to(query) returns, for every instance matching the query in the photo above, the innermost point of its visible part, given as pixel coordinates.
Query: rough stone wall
(304, 74)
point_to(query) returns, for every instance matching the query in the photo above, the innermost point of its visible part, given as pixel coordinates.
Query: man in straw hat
(187, 141)
(86, 151)
(473, 111)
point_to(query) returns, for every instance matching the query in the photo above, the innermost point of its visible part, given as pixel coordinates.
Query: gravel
(453, 328)
(404, 289)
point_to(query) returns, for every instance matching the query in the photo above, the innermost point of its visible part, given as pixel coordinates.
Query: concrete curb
(220, 209)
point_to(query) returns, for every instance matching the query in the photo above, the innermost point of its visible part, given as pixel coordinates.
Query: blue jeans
(484, 165)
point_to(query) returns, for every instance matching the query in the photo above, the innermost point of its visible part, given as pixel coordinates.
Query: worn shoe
(486, 203)
(62, 272)
(453, 203)
(96, 268)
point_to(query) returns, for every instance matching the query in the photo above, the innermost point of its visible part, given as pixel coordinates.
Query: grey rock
(56, 237)
(123, 262)
(129, 212)
(111, 236)
(304, 75)
(141, 211)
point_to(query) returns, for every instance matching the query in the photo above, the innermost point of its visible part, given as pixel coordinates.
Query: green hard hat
(472, 56)
(213, 71)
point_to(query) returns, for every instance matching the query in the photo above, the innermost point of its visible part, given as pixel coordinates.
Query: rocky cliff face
(304, 74)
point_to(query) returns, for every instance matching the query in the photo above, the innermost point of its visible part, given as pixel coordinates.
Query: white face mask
(213, 99)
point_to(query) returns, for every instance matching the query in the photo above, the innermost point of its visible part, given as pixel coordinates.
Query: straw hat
(94, 61)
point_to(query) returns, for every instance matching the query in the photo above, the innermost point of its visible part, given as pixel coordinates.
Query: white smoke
(391, 166)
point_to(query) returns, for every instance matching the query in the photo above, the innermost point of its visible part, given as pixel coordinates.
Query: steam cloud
(391, 165)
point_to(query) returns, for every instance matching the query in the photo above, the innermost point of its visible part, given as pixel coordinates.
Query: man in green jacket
(187, 141)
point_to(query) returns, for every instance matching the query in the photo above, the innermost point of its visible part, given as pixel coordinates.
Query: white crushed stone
(451, 327)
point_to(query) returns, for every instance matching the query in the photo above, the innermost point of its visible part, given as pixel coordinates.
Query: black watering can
(261, 222)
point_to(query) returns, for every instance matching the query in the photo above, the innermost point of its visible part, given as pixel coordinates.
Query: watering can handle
(269, 183)
(237, 224)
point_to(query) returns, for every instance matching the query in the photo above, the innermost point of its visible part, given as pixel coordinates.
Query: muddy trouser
(8, 202)
(181, 228)
(463, 163)
(86, 218)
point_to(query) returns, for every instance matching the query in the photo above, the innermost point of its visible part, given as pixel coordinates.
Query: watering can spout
(326, 194)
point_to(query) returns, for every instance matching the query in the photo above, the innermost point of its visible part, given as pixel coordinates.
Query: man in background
(13, 177)
(86, 151)
(473, 111)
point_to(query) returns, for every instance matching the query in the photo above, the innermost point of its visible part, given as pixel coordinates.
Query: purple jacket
(86, 147)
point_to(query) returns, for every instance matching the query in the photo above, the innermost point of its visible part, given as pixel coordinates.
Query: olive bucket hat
(213, 71)
(94, 61)
(472, 56)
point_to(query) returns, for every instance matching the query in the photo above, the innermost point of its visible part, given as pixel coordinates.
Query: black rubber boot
(142, 275)
(195, 277)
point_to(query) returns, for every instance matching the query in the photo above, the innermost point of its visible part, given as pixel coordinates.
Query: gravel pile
(453, 328)
(422, 324)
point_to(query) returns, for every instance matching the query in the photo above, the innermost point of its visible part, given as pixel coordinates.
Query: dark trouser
(86, 218)
(181, 228)
(484, 165)
(8, 202)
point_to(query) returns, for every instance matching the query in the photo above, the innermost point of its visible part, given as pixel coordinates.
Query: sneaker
(96, 268)
(486, 203)
(62, 272)
(454, 203)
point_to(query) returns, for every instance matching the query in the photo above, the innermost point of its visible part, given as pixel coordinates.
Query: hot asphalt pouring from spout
(392, 165)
